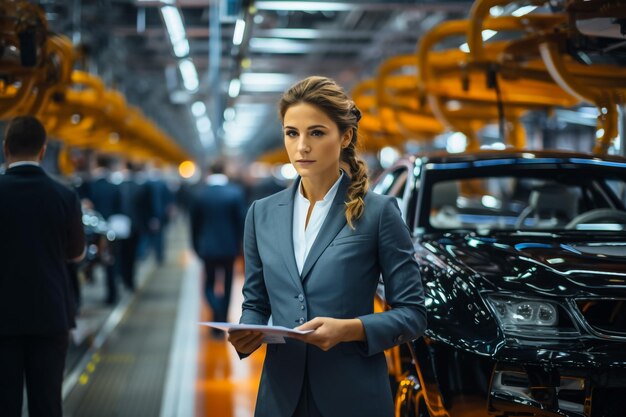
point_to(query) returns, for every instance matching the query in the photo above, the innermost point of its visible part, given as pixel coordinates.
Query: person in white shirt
(313, 257)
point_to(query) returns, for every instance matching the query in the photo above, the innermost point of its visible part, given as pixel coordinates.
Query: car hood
(550, 264)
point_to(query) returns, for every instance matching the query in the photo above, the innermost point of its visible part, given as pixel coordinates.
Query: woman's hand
(245, 341)
(328, 332)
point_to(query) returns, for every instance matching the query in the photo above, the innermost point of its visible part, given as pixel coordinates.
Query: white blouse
(304, 235)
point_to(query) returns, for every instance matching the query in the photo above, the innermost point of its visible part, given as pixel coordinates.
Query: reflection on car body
(523, 258)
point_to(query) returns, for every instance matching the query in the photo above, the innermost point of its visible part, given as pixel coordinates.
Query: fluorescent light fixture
(234, 87)
(189, 74)
(292, 33)
(523, 10)
(229, 114)
(176, 30)
(282, 46)
(388, 156)
(203, 124)
(496, 11)
(198, 108)
(456, 142)
(599, 133)
(181, 48)
(305, 6)
(487, 34)
(240, 28)
(490, 201)
(266, 78)
(173, 23)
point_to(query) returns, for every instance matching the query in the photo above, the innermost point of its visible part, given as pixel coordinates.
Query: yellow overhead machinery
(37, 77)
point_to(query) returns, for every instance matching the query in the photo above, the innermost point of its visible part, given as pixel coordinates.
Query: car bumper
(555, 383)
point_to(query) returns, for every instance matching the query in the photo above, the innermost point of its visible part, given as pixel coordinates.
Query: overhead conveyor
(482, 86)
(38, 78)
(601, 85)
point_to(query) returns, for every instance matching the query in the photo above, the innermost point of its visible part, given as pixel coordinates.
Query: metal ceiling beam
(156, 31)
(342, 6)
(291, 33)
(422, 5)
(288, 46)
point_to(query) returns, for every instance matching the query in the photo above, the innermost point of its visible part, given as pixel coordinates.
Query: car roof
(444, 157)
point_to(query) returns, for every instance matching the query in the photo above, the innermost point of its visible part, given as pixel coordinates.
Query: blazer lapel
(334, 222)
(284, 234)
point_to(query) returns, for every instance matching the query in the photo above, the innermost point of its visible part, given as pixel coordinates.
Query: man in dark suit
(106, 200)
(41, 230)
(132, 204)
(217, 216)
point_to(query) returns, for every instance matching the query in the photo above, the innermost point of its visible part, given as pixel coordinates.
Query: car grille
(604, 316)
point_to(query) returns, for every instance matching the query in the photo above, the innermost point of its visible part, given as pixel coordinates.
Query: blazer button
(301, 307)
(301, 297)
(301, 321)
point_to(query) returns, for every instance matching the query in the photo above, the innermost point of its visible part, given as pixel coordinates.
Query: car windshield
(550, 201)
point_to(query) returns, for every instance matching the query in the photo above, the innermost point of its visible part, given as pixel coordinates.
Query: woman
(313, 257)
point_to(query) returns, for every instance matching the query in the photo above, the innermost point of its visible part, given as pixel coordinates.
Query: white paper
(272, 334)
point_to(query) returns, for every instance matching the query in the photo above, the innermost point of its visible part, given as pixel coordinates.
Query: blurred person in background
(42, 229)
(159, 201)
(133, 204)
(217, 212)
(104, 197)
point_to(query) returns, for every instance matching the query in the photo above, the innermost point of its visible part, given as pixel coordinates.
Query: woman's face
(313, 141)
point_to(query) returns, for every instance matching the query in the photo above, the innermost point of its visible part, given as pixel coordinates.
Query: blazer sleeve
(403, 286)
(256, 305)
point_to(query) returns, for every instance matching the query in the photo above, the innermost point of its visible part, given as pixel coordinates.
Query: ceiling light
(176, 30)
(487, 34)
(203, 124)
(282, 46)
(292, 33)
(456, 142)
(173, 23)
(229, 114)
(305, 6)
(240, 28)
(246, 63)
(181, 48)
(496, 11)
(234, 87)
(266, 78)
(523, 10)
(187, 169)
(189, 74)
(198, 108)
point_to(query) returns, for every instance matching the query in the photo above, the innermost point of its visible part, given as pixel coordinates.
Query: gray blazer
(339, 280)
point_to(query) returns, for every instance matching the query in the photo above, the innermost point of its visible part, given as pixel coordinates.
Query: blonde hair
(329, 97)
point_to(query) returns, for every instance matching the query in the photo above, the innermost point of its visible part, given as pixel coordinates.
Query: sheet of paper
(272, 334)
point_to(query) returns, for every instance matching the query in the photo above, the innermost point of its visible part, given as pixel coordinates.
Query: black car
(523, 261)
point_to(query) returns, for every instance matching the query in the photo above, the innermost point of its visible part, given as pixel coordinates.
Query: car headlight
(526, 317)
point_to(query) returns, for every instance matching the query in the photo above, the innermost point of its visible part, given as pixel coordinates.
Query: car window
(510, 202)
(394, 184)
